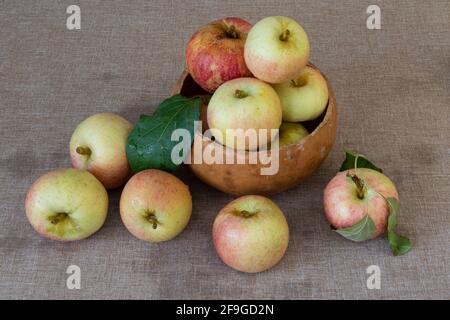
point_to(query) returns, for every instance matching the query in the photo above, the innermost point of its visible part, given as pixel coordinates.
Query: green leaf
(360, 231)
(149, 144)
(352, 158)
(399, 244)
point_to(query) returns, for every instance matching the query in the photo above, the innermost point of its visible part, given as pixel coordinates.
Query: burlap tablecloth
(392, 88)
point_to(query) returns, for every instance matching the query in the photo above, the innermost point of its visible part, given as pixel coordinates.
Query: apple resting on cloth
(251, 234)
(355, 193)
(98, 145)
(215, 53)
(66, 204)
(291, 133)
(276, 50)
(304, 97)
(155, 205)
(243, 104)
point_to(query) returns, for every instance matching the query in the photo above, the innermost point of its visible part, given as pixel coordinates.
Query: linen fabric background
(392, 89)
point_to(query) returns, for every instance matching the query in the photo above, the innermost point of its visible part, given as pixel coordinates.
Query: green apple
(155, 205)
(66, 204)
(277, 49)
(246, 104)
(304, 97)
(98, 145)
(291, 133)
(251, 234)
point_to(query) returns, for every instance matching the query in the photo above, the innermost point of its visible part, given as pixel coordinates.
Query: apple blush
(215, 53)
(98, 145)
(155, 205)
(355, 193)
(251, 234)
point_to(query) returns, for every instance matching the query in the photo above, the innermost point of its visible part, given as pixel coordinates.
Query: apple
(98, 145)
(215, 53)
(66, 204)
(155, 205)
(244, 103)
(251, 234)
(353, 194)
(277, 49)
(304, 97)
(291, 133)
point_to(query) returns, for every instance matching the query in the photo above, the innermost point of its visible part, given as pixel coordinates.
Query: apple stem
(231, 32)
(360, 188)
(58, 218)
(299, 82)
(245, 213)
(240, 94)
(152, 219)
(285, 35)
(84, 151)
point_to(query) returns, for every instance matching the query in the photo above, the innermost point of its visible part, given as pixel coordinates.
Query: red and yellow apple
(66, 204)
(251, 234)
(244, 104)
(215, 53)
(305, 97)
(98, 145)
(347, 200)
(155, 205)
(277, 49)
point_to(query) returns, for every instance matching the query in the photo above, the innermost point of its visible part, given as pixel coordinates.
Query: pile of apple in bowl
(248, 99)
(258, 78)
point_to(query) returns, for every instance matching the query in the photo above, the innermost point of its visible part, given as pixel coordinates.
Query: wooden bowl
(296, 161)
